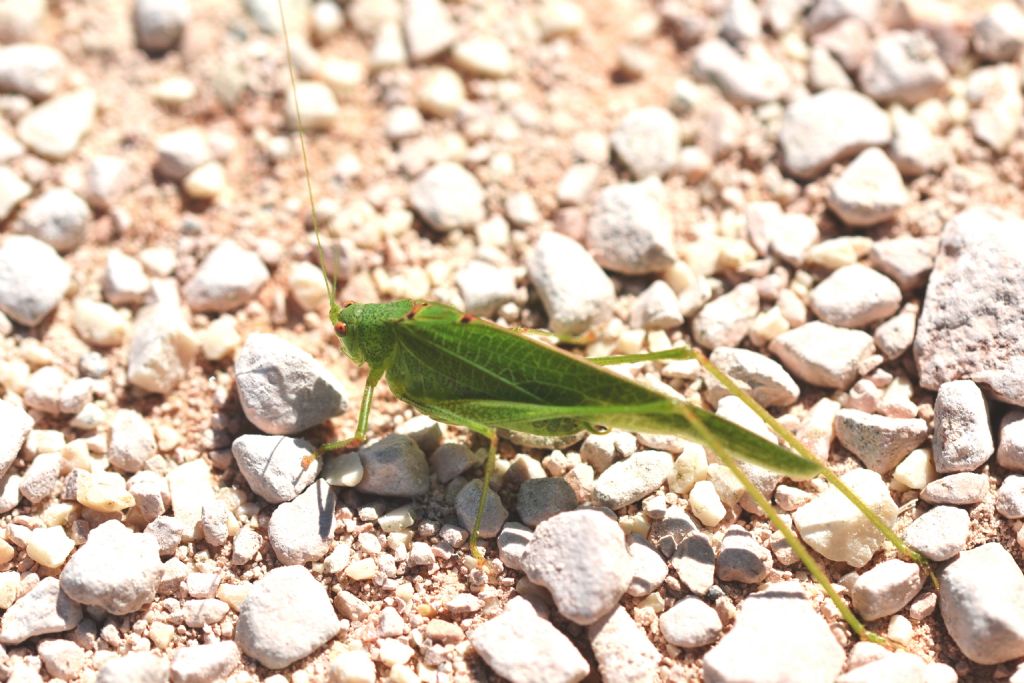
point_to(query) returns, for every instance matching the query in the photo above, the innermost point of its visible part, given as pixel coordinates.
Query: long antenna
(305, 156)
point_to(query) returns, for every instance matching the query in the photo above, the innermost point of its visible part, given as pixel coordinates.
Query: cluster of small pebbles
(823, 195)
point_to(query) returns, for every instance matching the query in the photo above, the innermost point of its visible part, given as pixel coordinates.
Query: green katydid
(465, 371)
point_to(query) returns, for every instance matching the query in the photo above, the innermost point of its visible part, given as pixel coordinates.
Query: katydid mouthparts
(465, 371)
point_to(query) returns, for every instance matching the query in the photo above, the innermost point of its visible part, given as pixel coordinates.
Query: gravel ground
(824, 196)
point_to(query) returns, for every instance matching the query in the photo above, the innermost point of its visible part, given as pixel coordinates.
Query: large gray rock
(972, 323)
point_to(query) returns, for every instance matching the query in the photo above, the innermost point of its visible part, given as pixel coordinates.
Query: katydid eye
(340, 328)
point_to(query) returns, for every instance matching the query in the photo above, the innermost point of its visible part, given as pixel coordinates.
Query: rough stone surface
(273, 465)
(970, 323)
(577, 294)
(394, 466)
(582, 559)
(630, 228)
(163, 347)
(963, 438)
(1010, 453)
(467, 503)
(880, 442)
(286, 616)
(44, 609)
(885, 589)
(15, 424)
(726, 320)
(981, 596)
(762, 377)
(541, 499)
(623, 651)
(904, 67)
(301, 530)
(962, 488)
(822, 354)
(229, 277)
(940, 533)
(647, 141)
(631, 480)
(855, 296)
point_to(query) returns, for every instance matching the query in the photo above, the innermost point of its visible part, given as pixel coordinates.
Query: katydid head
(367, 331)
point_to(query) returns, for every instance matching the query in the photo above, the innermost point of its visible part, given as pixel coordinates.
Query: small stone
(182, 151)
(429, 29)
(134, 667)
(246, 544)
(61, 658)
(58, 217)
(778, 636)
(99, 323)
(915, 149)
(895, 336)
(485, 288)
(981, 597)
(33, 279)
(394, 466)
(162, 349)
(577, 183)
(885, 589)
(43, 390)
(822, 354)
(694, 562)
(168, 532)
(657, 308)
(116, 569)
(215, 523)
(34, 70)
(301, 529)
(149, 490)
(630, 229)
(450, 460)
(205, 663)
(690, 623)
(286, 616)
(1010, 497)
(763, 378)
(1009, 455)
(903, 67)
(633, 479)
(512, 543)
(623, 651)
(15, 425)
(42, 478)
(205, 182)
(999, 34)
(353, 666)
(939, 534)
(483, 56)
(963, 488)
(442, 93)
(855, 296)
(706, 504)
(159, 24)
(741, 558)
(283, 389)
(827, 127)
(726, 320)
(560, 18)
(880, 442)
(749, 75)
(49, 546)
(646, 141)
(316, 101)
(963, 438)
(448, 197)
(54, 128)
(649, 569)
(869, 191)
(125, 282)
(521, 647)
(890, 666)
(576, 293)
(13, 190)
(344, 470)
(994, 92)
(44, 609)
(229, 277)
(834, 527)
(273, 466)
(974, 280)
(220, 339)
(467, 502)
(132, 441)
(541, 499)
(581, 558)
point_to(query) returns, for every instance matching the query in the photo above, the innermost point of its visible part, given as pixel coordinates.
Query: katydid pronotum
(465, 371)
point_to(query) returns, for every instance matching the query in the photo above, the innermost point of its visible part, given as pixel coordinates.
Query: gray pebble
(125, 282)
(168, 532)
(44, 609)
(135, 667)
(540, 499)
(631, 480)
(205, 612)
(283, 389)
(855, 296)
(885, 589)
(106, 180)
(43, 390)
(286, 616)
(895, 335)
(649, 569)
(58, 217)
(42, 478)
(54, 128)
(630, 229)
(904, 67)
(160, 23)
(915, 149)
(994, 92)
(1010, 453)
(581, 558)
(215, 523)
(424, 430)
(246, 544)
(868, 191)
(981, 597)
(778, 636)
(999, 34)
(726, 320)
(940, 533)
(272, 465)
(521, 209)
(577, 183)
(448, 197)
(31, 69)
(962, 488)
(623, 651)
(116, 569)
(13, 190)
(646, 141)
(394, 466)
(33, 279)
(485, 288)
(205, 663)
(450, 460)
(301, 530)
(694, 562)
(690, 623)
(907, 260)
(151, 494)
(656, 308)
(467, 502)
(162, 349)
(763, 378)
(229, 277)
(522, 647)
(577, 294)
(15, 424)
(182, 151)
(132, 441)
(879, 442)
(512, 542)
(1010, 497)
(429, 29)
(741, 558)
(753, 76)
(963, 437)
(61, 658)
(822, 354)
